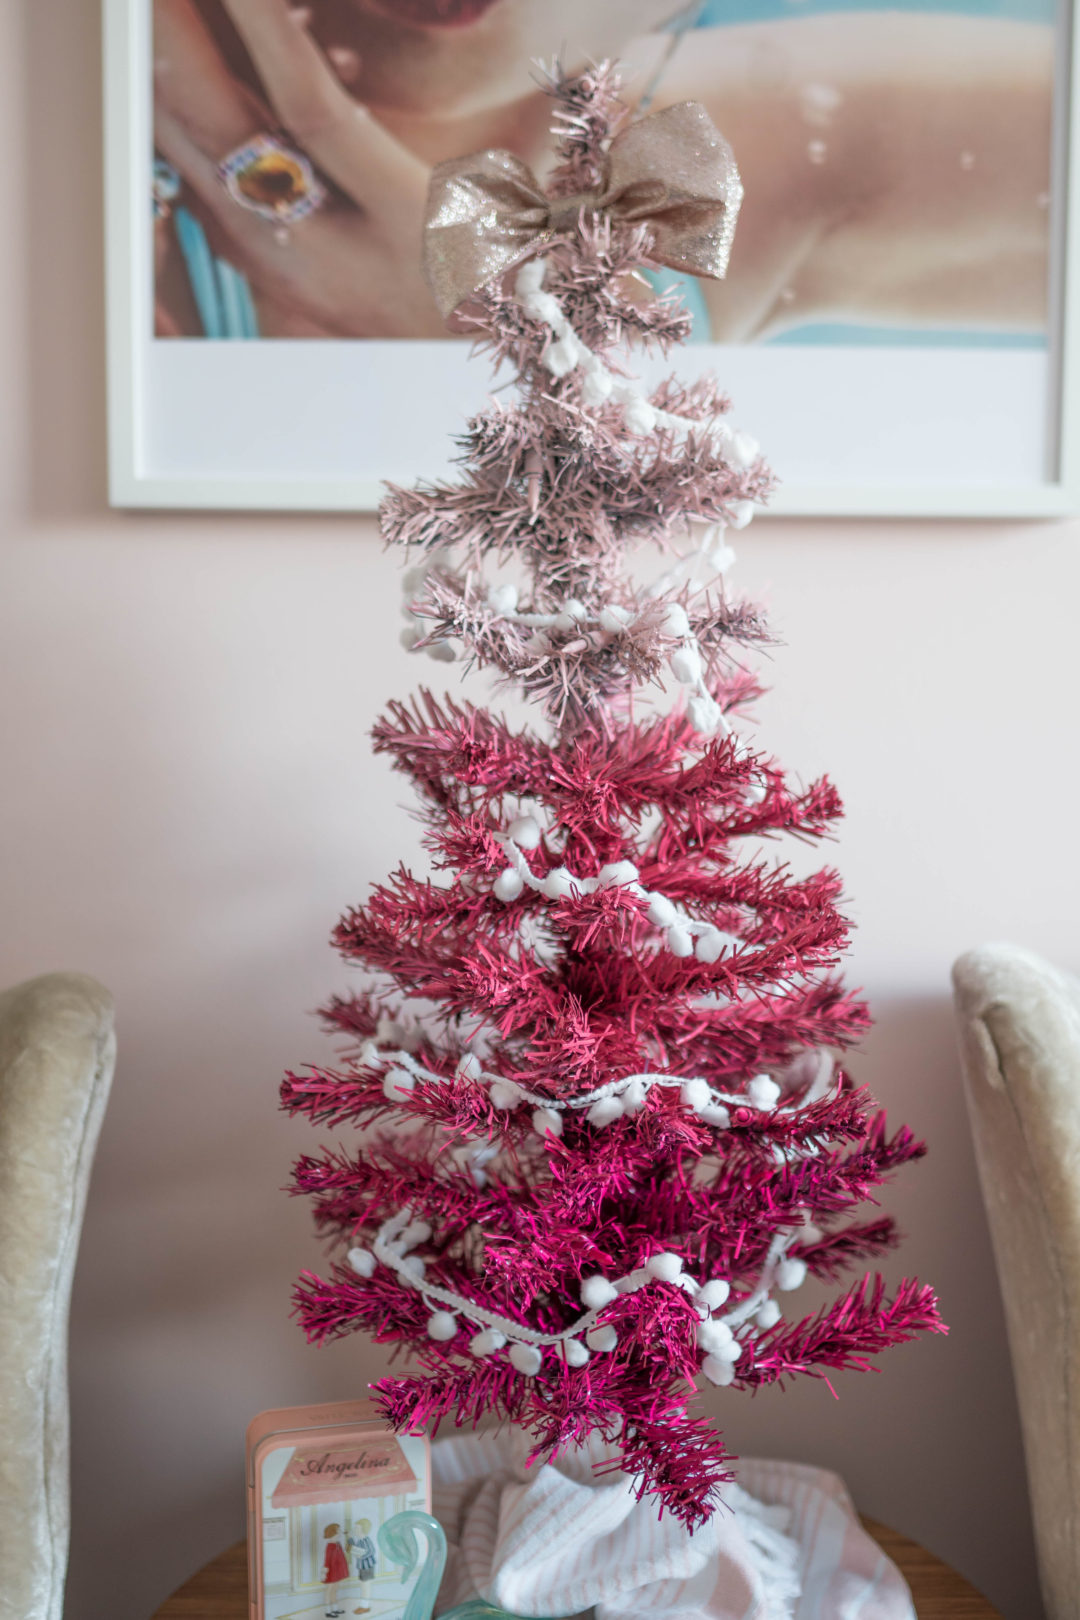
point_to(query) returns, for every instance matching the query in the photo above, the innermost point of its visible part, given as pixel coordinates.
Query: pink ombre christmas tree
(598, 1130)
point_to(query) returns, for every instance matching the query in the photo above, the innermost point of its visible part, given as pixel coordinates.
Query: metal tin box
(321, 1483)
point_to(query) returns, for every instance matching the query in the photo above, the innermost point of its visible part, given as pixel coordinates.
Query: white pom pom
(675, 621)
(614, 618)
(542, 306)
(573, 612)
(410, 636)
(685, 664)
(743, 451)
(687, 1283)
(508, 885)
(717, 1339)
(711, 946)
(664, 1267)
(416, 1232)
(597, 385)
(441, 1325)
(526, 1358)
(720, 556)
(530, 277)
(442, 652)
(486, 1342)
(680, 941)
(561, 357)
(468, 1066)
(763, 1091)
(503, 598)
(695, 1094)
(596, 1292)
(718, 1371)
(370, 1054)
(705, 715)
(412, 1270)
(790, 1273)
(639, 415)
(397, 1083)
(504, 1094)
(616, 874)
(715, 1293)
(525, 832)
(547, 1121)
(811, 1233)
(741, 514)
(661, 910)
(575, 1353)
(634, 1095)
(768, 1314)
(559, 883)
(716, 1115)
(603, 1112)
(602, 1337)
(362, 1262)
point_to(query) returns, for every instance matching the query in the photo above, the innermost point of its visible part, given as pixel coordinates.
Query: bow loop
(672, 171)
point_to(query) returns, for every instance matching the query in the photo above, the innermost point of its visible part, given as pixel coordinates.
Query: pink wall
(188, 802)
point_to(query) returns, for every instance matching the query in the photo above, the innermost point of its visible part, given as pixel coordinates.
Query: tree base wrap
(557, 1540)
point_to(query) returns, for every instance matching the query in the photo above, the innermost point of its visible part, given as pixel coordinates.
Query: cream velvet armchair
(1019, 1023)
(57, 1050)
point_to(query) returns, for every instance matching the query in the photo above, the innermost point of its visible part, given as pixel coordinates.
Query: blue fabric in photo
(715, 13)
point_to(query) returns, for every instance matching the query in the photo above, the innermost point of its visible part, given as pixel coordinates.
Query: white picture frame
(320, 425)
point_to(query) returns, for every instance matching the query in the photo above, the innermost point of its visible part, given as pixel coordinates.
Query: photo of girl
(335, 1569)
(896, 158)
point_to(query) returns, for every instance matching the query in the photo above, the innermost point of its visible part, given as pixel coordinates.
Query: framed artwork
(895, 326)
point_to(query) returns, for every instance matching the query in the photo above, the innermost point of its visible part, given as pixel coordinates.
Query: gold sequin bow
(673, 171)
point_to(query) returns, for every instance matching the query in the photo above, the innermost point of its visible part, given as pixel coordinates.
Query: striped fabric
(556, 1541)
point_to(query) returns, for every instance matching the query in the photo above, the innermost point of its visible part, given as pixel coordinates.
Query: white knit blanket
(555, 1541)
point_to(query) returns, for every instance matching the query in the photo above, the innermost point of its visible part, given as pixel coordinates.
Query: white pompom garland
(717, 1337)
(616, 1100)
(682, 935)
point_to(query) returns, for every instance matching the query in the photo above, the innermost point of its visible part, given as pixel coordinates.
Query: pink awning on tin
(344, 1472)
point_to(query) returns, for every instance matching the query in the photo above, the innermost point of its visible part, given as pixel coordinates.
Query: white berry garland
(566, 353)
(599, 385)
(716, 1335)
(607, 1103)
(683, 935)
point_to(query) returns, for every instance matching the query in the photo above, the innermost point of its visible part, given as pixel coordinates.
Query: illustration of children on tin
(323, 1505)
(365, 1561)
(335, 1569)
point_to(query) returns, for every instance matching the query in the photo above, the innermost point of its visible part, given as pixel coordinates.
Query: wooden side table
(219, 1592)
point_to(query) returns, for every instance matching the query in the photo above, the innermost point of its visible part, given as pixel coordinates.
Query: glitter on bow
(672, 171)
